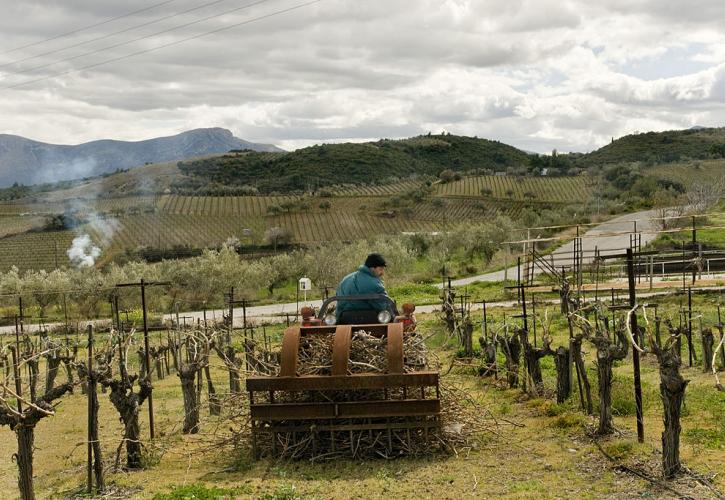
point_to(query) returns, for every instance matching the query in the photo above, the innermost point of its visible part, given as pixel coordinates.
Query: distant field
(465, 209)
(308, 228)
(83, 205)
(15, 224)
(350, 213)
(166, 230)
(35, 250)
(47, 249)
(120, 204)
(196, 230)
(530, 189)
(220, 205)
(381, 190)
(21, 207)
(687, 173)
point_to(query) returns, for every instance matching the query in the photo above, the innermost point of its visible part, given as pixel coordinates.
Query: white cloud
(537, 74)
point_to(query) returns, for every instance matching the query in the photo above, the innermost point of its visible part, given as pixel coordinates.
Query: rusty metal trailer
(331, 411)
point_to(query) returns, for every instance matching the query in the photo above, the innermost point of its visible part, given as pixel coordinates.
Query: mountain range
(26, 161)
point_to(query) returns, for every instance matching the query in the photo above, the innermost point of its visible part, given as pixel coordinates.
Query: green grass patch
(201, 492)
(552, 409)
(708, 438)
(619, 449)
(283, 492)
(568, 421)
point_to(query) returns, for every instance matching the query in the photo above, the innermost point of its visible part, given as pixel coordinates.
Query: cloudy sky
(537, 74)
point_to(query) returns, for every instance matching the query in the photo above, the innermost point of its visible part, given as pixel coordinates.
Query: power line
(163, 46)
(103, 37)
(137, 39)
(68, 33)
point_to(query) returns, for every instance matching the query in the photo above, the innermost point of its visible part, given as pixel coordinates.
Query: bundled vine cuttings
(455, 426)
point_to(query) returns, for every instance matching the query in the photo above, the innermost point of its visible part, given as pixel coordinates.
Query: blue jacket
(361, 282)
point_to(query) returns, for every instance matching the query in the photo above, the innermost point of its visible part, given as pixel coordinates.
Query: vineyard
(220, 205)
(10, 225)
(687, 173)
(378, 190)
(528, 189)
(167, 230)
(343, 213)
(35, 250)
(31, 208)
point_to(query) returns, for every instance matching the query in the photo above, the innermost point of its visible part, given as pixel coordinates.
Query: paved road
(599, 237)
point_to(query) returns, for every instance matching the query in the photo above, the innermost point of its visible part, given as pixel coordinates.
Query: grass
(202, 492)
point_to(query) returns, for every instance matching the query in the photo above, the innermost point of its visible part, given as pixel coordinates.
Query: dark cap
(375, 260)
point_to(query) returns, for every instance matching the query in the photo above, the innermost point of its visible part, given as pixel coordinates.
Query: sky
(536, 74)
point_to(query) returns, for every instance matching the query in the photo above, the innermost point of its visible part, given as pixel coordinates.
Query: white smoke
(104, 227)
(55, 169)
(83, 253)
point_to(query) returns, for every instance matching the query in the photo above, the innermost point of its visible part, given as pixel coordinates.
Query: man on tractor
(365, 281)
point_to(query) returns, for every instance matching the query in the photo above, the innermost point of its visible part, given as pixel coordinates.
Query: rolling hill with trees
(660, 147)
(336, 164)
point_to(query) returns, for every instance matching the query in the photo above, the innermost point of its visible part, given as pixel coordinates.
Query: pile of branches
(464, 426)
(460, 423)
(368, 354)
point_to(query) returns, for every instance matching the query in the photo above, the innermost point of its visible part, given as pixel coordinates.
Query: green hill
(661, 147)
(336, 164)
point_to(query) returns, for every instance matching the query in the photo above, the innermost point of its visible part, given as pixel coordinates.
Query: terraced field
(220, 205)
(529, 189)
(15, 224)
(42, 250)
(166, 230)
(311, 227)
(30, 208)
(207, 221)
(464, 209)
(687, 173)
(378, 190)
(205, 230)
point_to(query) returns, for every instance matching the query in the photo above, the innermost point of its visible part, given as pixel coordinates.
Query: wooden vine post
(94, 445)
(635, 352)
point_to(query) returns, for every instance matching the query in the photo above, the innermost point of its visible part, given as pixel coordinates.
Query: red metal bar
(341, 349)
(335, 382)
(395, 348)
(355, 409)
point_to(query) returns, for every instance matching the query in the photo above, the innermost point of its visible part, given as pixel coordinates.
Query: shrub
(447, 175)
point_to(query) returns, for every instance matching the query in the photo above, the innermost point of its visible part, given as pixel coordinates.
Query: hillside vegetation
(335, 164)
(343, 192)
(660, 147)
